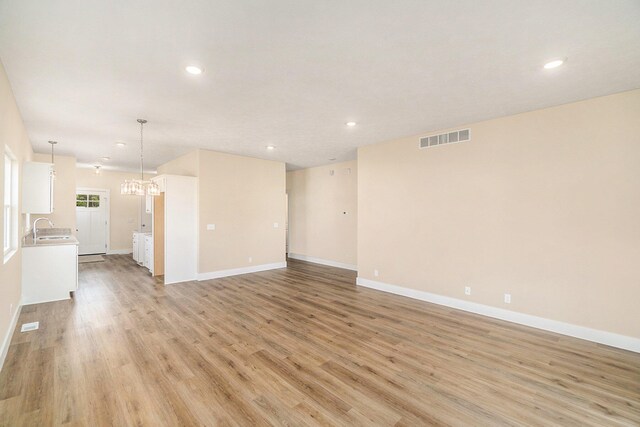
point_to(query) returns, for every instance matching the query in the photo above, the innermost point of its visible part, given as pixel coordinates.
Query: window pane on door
(94, 201)
(81, 200)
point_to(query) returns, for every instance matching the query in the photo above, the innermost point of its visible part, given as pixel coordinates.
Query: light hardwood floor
(297, 346)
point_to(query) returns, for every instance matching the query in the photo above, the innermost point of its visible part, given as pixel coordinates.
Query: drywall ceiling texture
(323, 212)
(542, 205)
(291, 73)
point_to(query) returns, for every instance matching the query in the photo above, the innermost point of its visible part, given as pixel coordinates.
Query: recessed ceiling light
(351, 124)
(106, 159)
(192, 69)
(271, 147)
(554, 64)
(120, 144)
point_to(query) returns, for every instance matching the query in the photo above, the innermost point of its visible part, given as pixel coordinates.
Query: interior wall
(244, 197)
(125, 211)
(323, 213)
(14, 135)
(542, 205)
(187, 165)
(64, 191)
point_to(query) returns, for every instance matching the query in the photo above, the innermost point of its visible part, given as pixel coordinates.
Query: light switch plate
(275, 225)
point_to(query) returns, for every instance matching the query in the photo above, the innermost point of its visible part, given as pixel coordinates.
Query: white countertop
(51, 233)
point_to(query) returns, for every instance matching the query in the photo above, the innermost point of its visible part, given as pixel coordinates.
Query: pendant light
(140, 187)
(53, 171)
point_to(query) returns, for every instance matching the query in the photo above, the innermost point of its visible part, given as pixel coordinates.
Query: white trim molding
(7, 339)
(328, 262)
(595, 335)
(119, 251)
(242, 270)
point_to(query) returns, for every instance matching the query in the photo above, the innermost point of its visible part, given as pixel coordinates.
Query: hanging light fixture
(140, 187)
(53, 171)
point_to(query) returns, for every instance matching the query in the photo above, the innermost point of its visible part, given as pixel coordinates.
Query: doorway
(92, 218)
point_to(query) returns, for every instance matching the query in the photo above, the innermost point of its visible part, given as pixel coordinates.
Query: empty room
(320, 213)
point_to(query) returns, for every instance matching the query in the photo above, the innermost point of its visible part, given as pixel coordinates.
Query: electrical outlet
(467, 290)
(507, 298)
(250, 259)
(376, 273)
(211, 226)
(275, 225)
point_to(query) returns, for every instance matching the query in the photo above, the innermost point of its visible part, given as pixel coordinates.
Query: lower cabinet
(143, 249)
(148, 252)
(49, 273)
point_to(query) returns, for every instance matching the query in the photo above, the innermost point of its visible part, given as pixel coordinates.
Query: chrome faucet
(35, 222)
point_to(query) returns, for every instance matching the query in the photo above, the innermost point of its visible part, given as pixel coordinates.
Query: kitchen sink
(53, 238)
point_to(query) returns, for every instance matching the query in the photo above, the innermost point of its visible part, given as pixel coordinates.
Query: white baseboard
(7, 338)
(243, 270)
(27, 302)
(119, 251)
(324, 262)
(595, 335)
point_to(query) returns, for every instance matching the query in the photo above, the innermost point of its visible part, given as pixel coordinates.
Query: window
(81, 200)
(10, 205)
(94, 201)
(87, 200)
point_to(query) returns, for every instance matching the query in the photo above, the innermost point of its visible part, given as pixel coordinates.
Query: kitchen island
(49, 266)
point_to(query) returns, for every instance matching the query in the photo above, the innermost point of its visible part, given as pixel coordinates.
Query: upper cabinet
(37, 188)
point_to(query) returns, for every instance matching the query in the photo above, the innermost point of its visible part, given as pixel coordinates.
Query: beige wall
(64, 191)
(13, 135)
(243, 197)
(544, 205)
(125, 210)
(323, 212)
(187, 165)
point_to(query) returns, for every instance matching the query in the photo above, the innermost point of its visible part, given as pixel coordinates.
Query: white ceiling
(291, 73)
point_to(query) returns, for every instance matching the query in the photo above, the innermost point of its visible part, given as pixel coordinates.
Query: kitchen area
(49, 254)
(75, 215)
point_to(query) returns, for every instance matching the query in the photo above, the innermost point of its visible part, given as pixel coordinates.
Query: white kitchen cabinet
(138, 242)
(37, 188)
(135, 252)
(148, 252)
(49, 272)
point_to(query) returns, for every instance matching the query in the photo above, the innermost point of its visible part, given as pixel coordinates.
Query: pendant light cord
(141, 157)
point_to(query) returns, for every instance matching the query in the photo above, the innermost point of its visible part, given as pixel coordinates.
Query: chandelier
(140, 187)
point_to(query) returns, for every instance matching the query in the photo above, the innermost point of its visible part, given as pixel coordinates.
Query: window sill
(9, 255)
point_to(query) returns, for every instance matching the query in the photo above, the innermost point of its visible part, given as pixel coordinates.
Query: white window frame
(10, 205)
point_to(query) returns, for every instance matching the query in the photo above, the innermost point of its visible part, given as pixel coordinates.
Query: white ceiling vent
(445, 138)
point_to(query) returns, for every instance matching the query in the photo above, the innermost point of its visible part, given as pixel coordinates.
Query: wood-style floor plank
(301, 346)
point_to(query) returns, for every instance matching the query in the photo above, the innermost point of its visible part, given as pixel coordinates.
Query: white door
(92, 213)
